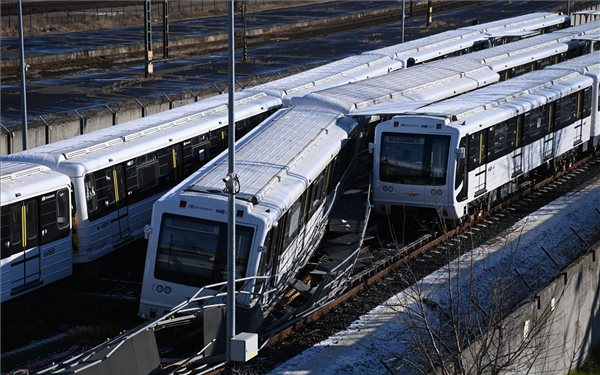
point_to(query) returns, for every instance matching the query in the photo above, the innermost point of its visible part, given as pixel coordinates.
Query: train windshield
(193, 251)
(414, 159)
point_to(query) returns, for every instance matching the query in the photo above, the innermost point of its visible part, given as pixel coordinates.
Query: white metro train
(457, 156)
(284, 198)
(36, 227)
(117, 173)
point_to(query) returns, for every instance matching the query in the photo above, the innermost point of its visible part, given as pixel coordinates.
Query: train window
(566, 107)
(521, 69)
(477, 150)
(534, 125)
(318, 191)
(189, 250)
(504, 75)
(90, 193)
(196, 153)
(62, 209)
(147, 171)
(31, 223)
(500, 140)
(166, 167)
(294, 222)
(11, 229)
(218, 140)
(460, 166)
(414, 159)
(54, 219)
(586, 111)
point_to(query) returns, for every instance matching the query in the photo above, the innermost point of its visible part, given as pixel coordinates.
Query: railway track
(407, 264)
(382, 271)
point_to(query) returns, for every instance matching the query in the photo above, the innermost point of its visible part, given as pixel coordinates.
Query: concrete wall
(559, 326)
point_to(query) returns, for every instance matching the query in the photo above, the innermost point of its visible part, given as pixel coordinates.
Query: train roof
(420, 83)
(585, 64)
(488, 105)
(19, 181)
(280, 158)
(431, 46)
(438, 45)
(153, 132)
(349, 69)
(520, 104)
(525, 22)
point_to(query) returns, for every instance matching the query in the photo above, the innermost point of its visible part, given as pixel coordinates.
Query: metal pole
(403, 16)
(166, 28)
(230, 182)
(245, 43)
(23, 70)
(149, 69)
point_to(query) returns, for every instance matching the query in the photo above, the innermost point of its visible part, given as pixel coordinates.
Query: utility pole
(165, 14)
(403, 17)
(149, 69)
(429, 12)
(245, 43)
(231, 185)
(23, 70)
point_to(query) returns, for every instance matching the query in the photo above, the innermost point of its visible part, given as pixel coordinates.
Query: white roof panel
(274, 153)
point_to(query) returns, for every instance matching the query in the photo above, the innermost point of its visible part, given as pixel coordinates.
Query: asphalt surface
(81, 91)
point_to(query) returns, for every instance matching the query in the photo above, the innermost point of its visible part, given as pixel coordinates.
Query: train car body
(36, 228)
(117, 173)
(400, 56)
(457, 156)
(290, 170)
(591, 68)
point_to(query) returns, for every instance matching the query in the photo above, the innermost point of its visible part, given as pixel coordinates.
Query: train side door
(477, 161)
(20, 237)
(549, 137)
(517, 153)
(120, 225)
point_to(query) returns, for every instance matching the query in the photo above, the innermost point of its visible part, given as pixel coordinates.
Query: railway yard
(332, 278)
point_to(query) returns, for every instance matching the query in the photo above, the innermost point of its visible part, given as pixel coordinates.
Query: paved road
(77, 91)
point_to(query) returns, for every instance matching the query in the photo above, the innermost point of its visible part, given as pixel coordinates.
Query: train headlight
(168, 290)
(387, 189)
(159, 289)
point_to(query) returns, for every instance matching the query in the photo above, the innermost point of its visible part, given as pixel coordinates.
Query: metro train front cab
(414, 160)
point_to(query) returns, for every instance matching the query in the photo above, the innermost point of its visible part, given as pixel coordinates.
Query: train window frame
(566, 106)
(587, 102)
(51, 227)
(534, 125)
(295, 220)
(11, 230)
(31, 222)
(477, 151)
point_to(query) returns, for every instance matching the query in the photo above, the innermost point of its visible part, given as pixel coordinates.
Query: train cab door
(120, 223)
(21, 238)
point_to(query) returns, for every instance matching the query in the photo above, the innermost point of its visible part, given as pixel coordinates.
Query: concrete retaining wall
(560, 324)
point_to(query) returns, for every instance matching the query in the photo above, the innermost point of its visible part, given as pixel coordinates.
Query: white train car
(117, 173)
(457, 156)
(517, 58)
(434, 47)
(589, 66)
(36, 228)
(290, 169)
(473, 38)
